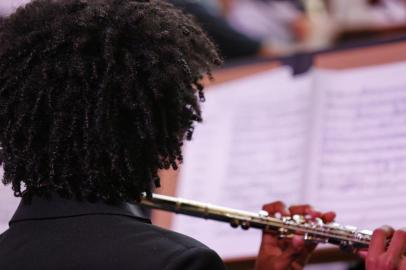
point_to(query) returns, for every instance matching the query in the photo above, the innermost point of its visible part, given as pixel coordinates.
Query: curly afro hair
(97, 95)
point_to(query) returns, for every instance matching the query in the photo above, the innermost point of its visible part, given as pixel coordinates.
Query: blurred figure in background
(368, 13)
(240, 28)
(209, 13)
(279, 23)
(244, 28)
(231, 42)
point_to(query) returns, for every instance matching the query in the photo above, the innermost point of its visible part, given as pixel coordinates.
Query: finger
(303, 258)
(362, 253)
(397, 245)
(314, 214)
(276, 207)
(378, 241)
(304, 255)
(402, 264)
(310, 246)
(268, 240)
(305, 209)
(301, 208)
(328, 217)
(295, 248)
(296, 266)
(292, 249)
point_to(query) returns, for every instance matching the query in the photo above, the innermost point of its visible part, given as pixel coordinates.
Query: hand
(380, 258)
(302, 28)
(283, 254)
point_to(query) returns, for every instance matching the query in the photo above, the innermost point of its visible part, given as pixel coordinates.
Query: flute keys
(283, 233)
(263, 214)
(245, 225)
(318, 221)
(350, 228)
(234, 223)
(299, 218)
(278, 216)
(313, 238)
(347, 246)
(308, 237)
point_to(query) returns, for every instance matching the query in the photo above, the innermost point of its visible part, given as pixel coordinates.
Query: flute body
(347, 237)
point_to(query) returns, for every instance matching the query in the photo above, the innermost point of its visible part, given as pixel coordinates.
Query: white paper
(250, 150)
(9, 6)
(359, 161)
(8, 204)
(336, 139)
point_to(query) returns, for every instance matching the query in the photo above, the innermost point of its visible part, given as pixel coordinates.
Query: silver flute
(314, 230)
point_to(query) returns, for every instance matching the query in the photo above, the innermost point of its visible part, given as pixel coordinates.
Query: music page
(8, 204)
(358, 159)
(249, 150)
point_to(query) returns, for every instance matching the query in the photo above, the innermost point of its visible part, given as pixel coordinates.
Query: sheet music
(359, 167)
(249, 151)
(8, 204)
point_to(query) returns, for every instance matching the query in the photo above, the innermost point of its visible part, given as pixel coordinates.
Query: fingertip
(385, 229)
(315, 214)
(285, 213)
(301, 209)
(310, 210)
(329, 217)
(276, 207)
(400, 235)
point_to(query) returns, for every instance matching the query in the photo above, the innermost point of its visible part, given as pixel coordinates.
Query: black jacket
(63, 234)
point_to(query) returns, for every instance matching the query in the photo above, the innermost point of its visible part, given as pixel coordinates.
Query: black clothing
(232, 44)
(61, 234)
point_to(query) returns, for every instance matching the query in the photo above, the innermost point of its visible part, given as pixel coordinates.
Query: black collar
(58, 207)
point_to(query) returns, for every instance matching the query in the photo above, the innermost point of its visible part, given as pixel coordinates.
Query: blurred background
(246, 28)
(272, 28)
(289, 32)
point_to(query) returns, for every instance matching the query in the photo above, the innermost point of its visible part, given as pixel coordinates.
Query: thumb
(294, 249)
(292, 252)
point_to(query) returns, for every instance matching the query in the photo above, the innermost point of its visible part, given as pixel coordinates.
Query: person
(368, 13)
(384, 256)
(232, 43)
(281, 24)
(97, 96)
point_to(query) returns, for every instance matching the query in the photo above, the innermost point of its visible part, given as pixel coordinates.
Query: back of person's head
(97, 96)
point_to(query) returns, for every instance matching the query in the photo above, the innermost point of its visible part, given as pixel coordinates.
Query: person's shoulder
(196, 258)
(2, 235)
(183, 252)
(176, 239)
(2, 240)
(171, 239)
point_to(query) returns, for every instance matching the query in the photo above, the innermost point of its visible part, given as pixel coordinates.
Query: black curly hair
(97, 95)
